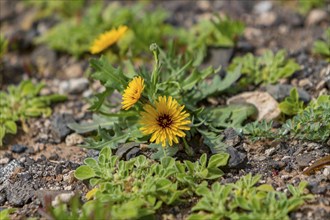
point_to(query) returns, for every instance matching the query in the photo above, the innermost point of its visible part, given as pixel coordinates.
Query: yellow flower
(91, 193)
(107, 39)
(133, 92)
(166, 121)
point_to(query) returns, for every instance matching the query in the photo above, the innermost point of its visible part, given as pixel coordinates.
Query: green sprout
(322, 47)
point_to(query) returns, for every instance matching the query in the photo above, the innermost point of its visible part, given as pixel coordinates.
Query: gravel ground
(41, 163)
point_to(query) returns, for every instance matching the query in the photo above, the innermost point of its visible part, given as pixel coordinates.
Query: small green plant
(63, 8)
(3, 46)
(216, 32)
(244, 200)
(322, 47)
(5, 213)
(292, 105)
(266, 69)
(312, 124)
(76, 35)
(142, 185)
(304, 6)
(172, 77)
(22, 102)
(259, 130)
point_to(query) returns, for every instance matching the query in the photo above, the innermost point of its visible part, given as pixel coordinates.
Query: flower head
(166, 121)
(107, 39)
(133, 92)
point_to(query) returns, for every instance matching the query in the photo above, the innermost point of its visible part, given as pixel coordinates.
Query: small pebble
(316, 16)
(68, 187)
(74, 139)
(64, 197)
(270, 151)
(326, 172)
(285, 177)
(263, 6)
(69, 177)
(285, 158)
(4, 160)
(18, 148)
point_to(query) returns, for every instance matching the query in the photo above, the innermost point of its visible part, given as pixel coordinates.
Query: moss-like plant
(22, 102)
(245, 200)
(266, 69)
(312, 124)
(292, 105)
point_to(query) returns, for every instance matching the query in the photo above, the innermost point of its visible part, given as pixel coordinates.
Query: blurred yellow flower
(91, 193)
(106, 39)
(133, 92)
(165, 121)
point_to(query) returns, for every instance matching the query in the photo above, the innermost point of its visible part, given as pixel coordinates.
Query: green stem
(164, 150)
(188, 149)
(154, 74)
(121, 114)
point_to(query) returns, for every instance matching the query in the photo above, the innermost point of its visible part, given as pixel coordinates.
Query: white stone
(316, 16)
(326, 171)
(64, 197)
(263, 6)
(74, 139)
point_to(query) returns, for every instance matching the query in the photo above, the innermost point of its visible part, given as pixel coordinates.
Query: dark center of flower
(164, 121)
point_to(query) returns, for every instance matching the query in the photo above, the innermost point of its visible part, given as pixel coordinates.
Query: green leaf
(84, 172)
(167, 162)
(230, 116)
(108, 75)
(213, 141)
(265, 188)
(5, 213)
(203, 160)
(216, 85)
(98, 121)
(91, 162)
(292, 105)
(2, 133)
(197, 76)
(10, 127)
(218, 160)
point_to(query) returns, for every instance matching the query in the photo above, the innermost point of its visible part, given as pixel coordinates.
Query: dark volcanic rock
(2, 198)
(232, 138)
(19, 193)
(281, 91)
(315, 188)
(132, 153)
(59, 126)
(237, 159)
(218, 57)
(125, 148)
(303, 160)
(18, 148)
(7, 171)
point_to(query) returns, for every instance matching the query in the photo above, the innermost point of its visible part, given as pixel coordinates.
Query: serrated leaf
(230, 115)
(108, 75)
(205, 89)
(98, 121)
